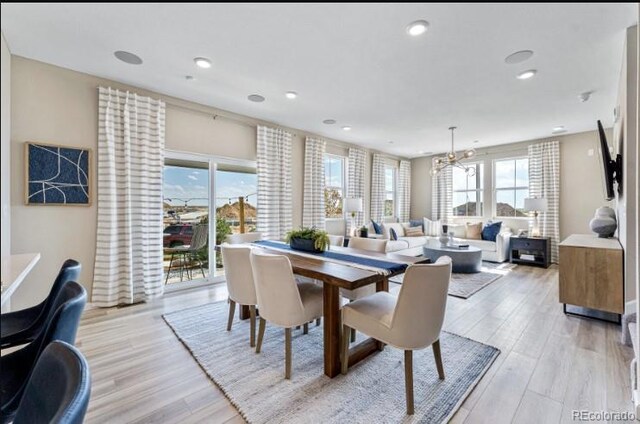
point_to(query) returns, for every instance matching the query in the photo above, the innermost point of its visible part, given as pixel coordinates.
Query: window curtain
(377, 188)
(355, 183)
(442, 194)
(313, 211)
(404, 190)
(128, 264)
(275, 199)
(544, 182)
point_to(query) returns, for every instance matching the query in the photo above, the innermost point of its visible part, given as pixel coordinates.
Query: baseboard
(630, 307)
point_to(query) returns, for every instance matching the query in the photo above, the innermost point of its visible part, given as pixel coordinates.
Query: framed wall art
(57, 175)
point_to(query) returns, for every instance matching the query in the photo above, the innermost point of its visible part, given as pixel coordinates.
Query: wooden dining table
(335, 276)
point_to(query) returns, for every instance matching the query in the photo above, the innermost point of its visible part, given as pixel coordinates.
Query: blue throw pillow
(392, 234)
(417, 223)
(491, 230)
(376, 227)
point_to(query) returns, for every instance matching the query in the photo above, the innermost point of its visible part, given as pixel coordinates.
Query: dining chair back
(23, 326)
(372, 245)
(243, 238)
(236, 261)
(336, 240)
(59, 388)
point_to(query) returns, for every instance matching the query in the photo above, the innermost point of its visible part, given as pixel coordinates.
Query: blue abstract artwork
(57, 175)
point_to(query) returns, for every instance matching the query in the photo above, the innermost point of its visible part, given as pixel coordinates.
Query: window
(389, 191)
(467, 191)
(511, 182)
(333, 185)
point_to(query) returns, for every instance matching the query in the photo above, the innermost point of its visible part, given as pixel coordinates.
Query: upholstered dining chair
(18, 366)
(409, 322)
(242, 290)
(59, 388)
(283, 301)
(243, 238)
(24, 325)
(372, 245)
(336, 240)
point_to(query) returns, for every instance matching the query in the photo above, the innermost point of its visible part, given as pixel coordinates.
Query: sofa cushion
(417, 223)
(413, 241)
(491, 230)
(392, 234)
(474, 231)
(431, 228)
(489, 246)
(458, 230)
(413, 232)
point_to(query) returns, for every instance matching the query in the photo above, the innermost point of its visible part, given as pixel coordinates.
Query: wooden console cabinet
(591, 273)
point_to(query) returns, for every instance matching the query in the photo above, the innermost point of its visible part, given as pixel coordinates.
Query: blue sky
(181, 183)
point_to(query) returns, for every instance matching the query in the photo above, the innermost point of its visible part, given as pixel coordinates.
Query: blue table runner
(391, 267)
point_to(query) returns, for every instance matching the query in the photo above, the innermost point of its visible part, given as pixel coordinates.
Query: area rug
(372, 391)
(466, 285)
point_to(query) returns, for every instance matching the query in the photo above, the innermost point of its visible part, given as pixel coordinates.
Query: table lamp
(352, 205)
(535, 205)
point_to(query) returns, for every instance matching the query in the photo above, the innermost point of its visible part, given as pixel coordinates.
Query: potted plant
(364, 231)
(308, 239)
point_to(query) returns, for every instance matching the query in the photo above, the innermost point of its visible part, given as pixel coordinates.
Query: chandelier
(452, 159)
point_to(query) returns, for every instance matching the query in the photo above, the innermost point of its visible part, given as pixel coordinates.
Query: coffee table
(468, 260)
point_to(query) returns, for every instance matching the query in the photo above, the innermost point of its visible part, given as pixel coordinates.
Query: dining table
(334, 276)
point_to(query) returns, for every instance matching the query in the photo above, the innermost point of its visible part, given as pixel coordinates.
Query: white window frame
(479, 190)
(342, 189)
(514, 188)
(394, 192)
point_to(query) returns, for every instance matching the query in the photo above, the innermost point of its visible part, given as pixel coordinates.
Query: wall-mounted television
(611, 170)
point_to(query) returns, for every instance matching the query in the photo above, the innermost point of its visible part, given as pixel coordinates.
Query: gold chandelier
(452, 159)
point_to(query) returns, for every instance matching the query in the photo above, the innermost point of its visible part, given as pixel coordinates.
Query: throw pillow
(491, 230)
(376, 227)
(431, 228)
(413, 232)
(392, 234)
(474, 231)
(417, 223)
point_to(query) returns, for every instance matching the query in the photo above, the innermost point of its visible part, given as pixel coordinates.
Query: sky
(182, 184)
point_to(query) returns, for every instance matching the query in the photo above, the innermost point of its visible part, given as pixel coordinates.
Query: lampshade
(535, 204)
(352, 204)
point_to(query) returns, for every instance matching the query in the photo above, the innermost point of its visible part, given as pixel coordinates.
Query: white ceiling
(354, 63)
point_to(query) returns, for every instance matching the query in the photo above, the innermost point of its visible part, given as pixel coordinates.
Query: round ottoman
(468, 260)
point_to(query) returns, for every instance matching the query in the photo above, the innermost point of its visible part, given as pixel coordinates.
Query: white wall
(59, 106)
(581, 187)
(5, 154)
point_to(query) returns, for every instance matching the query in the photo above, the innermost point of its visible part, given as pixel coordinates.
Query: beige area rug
(372, 391)
(466, 285)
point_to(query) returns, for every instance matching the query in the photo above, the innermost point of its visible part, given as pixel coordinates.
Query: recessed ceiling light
(189, 77)
(416, 28)
(583, 97)
(329, 121)
(255, 98)
(476, 141)
(527, 74)
(128, 57)
(559, 129)
(346, 128)
(518, 57)
(291, 95)
(390, 141)
(202, 62)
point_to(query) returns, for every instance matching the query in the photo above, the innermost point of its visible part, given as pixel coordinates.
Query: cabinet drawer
(525, 243)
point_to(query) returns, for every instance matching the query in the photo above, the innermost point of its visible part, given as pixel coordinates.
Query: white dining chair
(372, 245)
(283, 301)
(239, 275)
(412, 321)
(336, 240)
(243, 238)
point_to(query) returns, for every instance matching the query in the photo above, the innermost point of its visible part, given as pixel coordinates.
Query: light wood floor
(550, 364)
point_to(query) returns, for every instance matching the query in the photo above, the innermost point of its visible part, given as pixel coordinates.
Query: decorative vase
(305, 245)
(444, 239)
(604, 222)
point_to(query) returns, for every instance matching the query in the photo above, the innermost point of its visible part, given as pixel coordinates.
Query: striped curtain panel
(377, 188)
(404, 190)
(442, 194)
(313, 210)
(275, 199)
(128, 264)
(356, 183)
(544, 182)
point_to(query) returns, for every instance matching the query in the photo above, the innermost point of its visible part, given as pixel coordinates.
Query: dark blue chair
(16, 367)
(23, 326)
(59, 388)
